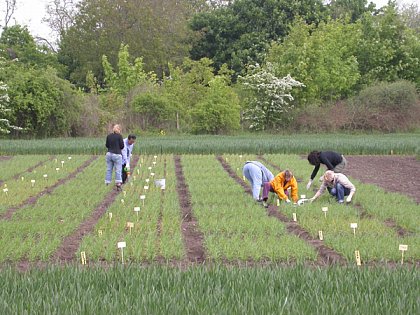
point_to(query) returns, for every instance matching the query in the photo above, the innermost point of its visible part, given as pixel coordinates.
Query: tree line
(196, 66)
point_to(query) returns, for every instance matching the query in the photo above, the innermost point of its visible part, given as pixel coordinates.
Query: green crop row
(217, 290)
(19, 164)
(35, 232)
(234, 226)
(248, 143)
(374, 240)
(142, 240)
(29, 184)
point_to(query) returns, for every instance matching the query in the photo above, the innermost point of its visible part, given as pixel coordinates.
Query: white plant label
(321, 236)
(154, 163)
(142, 197)
(62, 163)
(155, 157)
(152, 174)
(353, 225)
(357, 255)
(100, 232)
(5, 190)
(32, 182)
(130, 225)
(146, 187)
(22, 178)
(325, 210)
(240, 157)
(69, 158)
(110, 216)
(243, 177)
(149, 168)
(147, 180)
(294, 216)
(83, 257)
(302, 196)
(122, 201)
(121, 244)
(57, 169)
(138, 172)
(403, 248)
(136, 209)
(278, 203)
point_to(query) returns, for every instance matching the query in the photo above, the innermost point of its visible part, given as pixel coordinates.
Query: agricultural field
(197, 242)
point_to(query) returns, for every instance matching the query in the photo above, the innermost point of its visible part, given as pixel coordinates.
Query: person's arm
(320, 191)
(278, 188)
(121, 142)
(107, 142)
(343, 180)
(124, 154)
(315, 171)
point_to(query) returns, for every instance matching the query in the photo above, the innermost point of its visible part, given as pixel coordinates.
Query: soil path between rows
(33, 199)
(66, 252)
(193, 238)
(393, 173)
(326, 256)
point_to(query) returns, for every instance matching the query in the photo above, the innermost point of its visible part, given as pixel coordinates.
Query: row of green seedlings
(19, 164)
(356, 237)
(16, 191)
(35, 232)
(129, 230)
(234, 228)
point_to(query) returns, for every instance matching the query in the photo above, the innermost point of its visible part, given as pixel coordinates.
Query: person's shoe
(265, 204)
(340, 202)
(259, 200)
(118, 186)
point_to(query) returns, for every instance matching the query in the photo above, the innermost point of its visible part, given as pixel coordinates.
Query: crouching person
(338, 185)
(280, 185)
(257, 174)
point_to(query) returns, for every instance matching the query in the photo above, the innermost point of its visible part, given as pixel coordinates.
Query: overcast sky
(31, 12)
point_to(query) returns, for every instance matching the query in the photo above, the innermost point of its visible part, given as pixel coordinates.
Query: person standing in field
(257, 174)
(114, 143)
(332, 160)
(126, 156)
(280, 185)
(338, 185)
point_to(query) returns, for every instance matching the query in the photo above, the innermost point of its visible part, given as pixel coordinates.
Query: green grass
(251, 143)
(211, 290)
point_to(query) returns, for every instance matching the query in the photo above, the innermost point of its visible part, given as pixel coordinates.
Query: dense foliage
(174, 65)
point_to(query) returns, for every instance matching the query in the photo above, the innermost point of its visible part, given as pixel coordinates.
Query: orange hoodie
(279, 186)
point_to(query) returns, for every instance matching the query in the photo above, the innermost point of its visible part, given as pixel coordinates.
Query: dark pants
(124, 174)
(339, 191)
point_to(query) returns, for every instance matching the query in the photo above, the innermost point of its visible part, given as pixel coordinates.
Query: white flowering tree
(269, 97)
(5, 125)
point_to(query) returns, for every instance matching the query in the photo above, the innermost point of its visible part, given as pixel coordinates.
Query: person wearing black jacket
(114, 144)
(332, 160)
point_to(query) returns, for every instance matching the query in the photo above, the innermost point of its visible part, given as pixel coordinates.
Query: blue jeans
(113, 161)
(339, 191)
(254, 175)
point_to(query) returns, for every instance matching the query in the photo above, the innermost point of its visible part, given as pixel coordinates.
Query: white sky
(31, 12)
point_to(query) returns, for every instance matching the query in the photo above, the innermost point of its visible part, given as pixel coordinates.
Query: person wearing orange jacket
(280, 184)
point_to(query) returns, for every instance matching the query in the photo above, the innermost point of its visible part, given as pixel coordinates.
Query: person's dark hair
(313, 157)
(130, 136)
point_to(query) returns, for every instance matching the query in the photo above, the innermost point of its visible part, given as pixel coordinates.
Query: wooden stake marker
(130, 225)
(357, 255)
(403, 248)
(325, 210)
(294, 217)
(137, 210)
(121, 245)
(278, 202)
(354, 227)
(83, 257)
(110, 216)
(32, 182)
(321, 236)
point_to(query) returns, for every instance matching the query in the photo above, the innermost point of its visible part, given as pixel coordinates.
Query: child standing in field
(338, 185)
(114, 143)
(257, 174)
(332, 160)
(280, 184)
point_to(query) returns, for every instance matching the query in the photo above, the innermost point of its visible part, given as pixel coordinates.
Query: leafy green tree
(269, 101)
(353, 9)
(240, 32)
(321, 57)
(388, 50)
(219, 111)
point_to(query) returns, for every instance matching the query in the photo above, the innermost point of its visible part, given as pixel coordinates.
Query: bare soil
(193, 238)
(393, 173)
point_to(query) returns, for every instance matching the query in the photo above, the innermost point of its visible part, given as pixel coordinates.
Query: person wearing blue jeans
(114, 143)
(338, 185)
(257, 174)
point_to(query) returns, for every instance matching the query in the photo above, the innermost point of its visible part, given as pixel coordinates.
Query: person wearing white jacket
(338, 185)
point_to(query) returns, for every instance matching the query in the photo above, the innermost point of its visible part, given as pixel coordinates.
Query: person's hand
(287, 201)
(312, 199)
(309, 184)
(348, 199)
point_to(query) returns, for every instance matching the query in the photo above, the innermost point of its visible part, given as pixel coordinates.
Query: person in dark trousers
(332, 160)
(257, 174)
(114, 143)
(126, 156)
(338, 186)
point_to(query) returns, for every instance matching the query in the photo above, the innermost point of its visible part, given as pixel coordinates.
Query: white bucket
(160, 182)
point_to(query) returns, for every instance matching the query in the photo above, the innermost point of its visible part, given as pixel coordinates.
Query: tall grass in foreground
(212, 290)
(250, 143)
